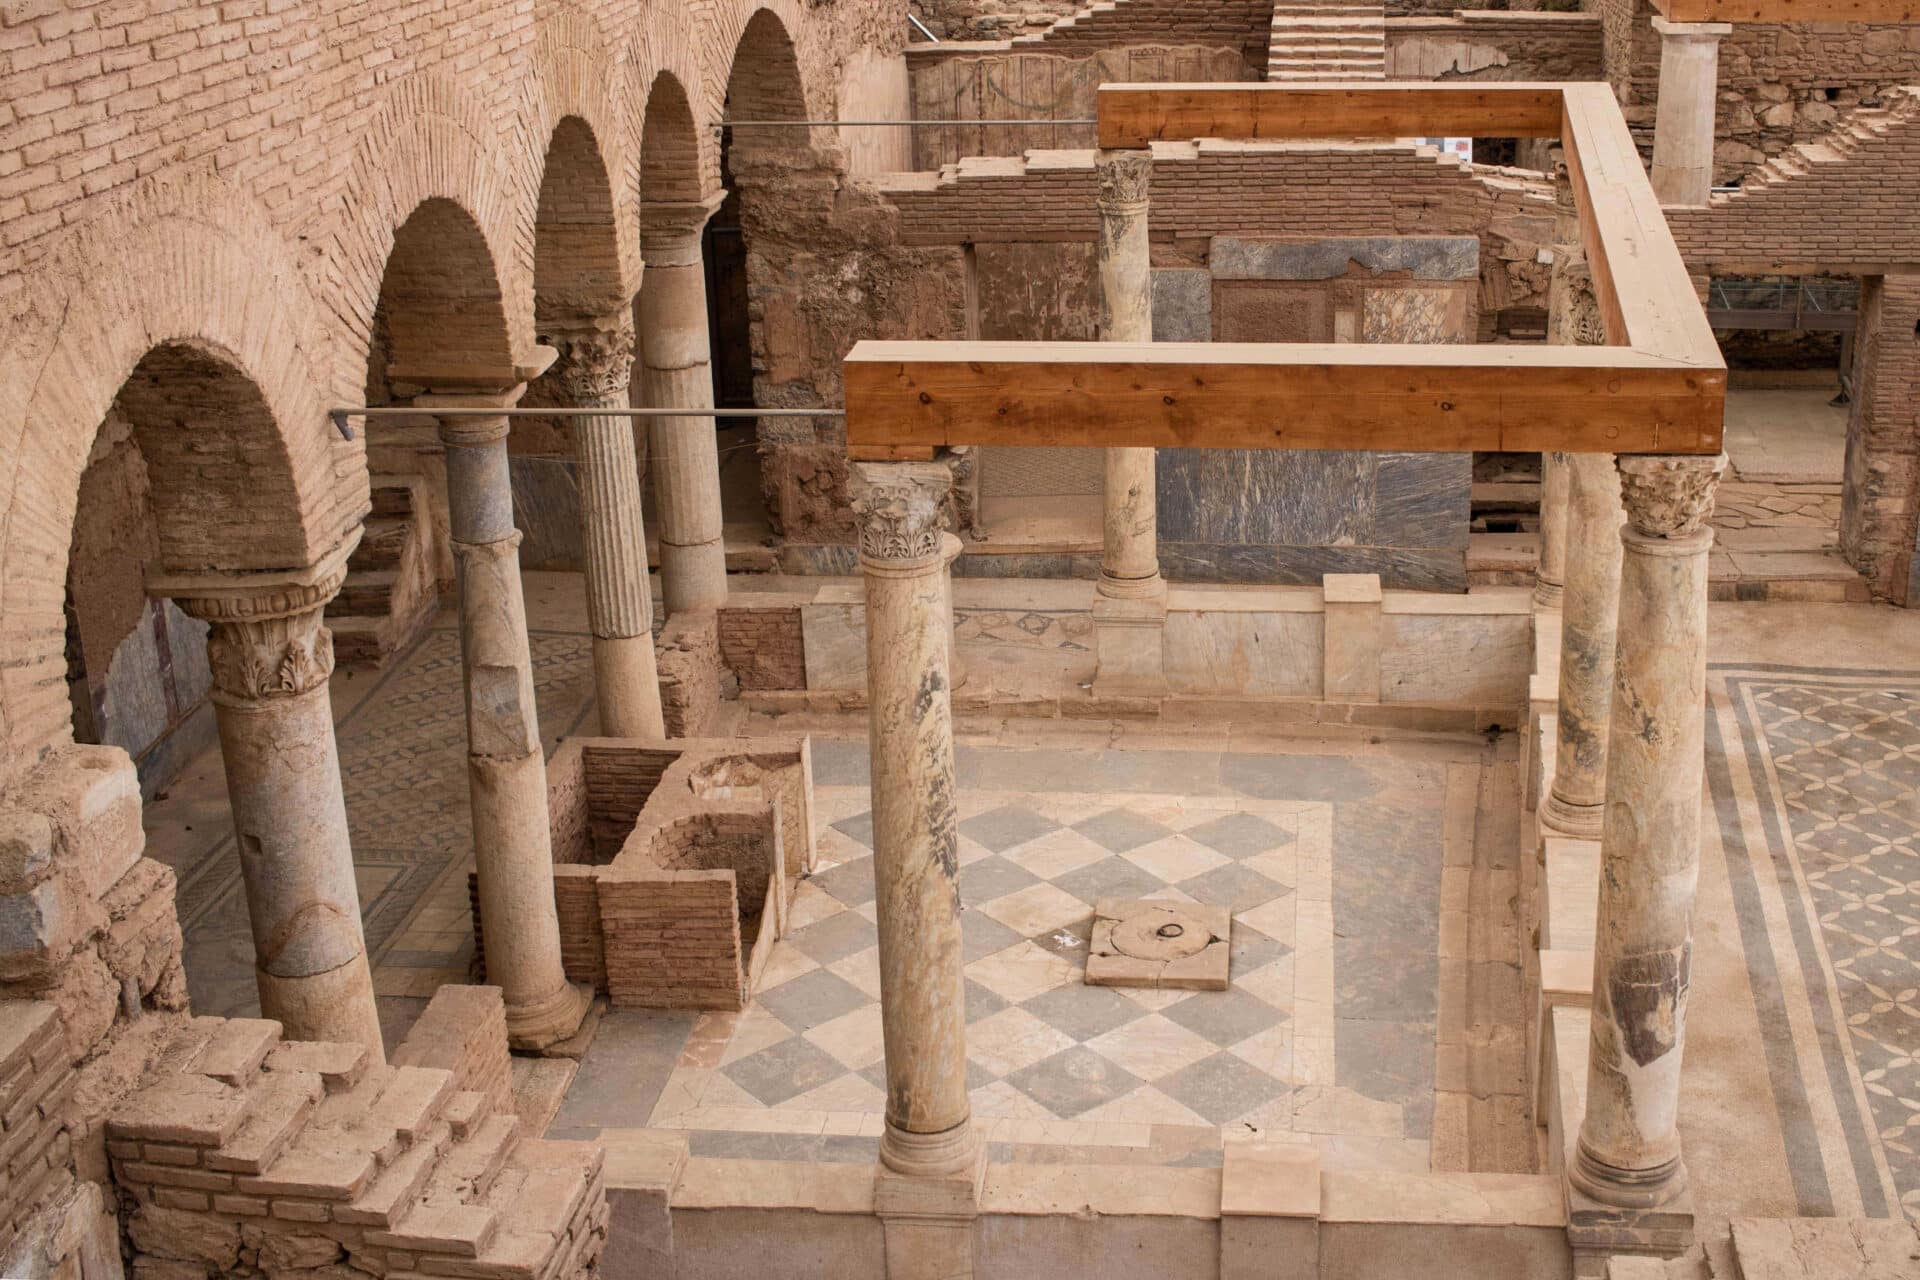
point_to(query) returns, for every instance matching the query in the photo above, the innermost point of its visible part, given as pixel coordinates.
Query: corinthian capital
(1669, 497)
(267, 640)
(596, 365)
(1125, 178)
(901, 509)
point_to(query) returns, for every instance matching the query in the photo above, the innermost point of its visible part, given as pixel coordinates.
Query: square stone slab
(1144, 942)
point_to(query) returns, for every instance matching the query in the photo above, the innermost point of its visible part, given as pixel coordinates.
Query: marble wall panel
(1475, 658)
(1271, 654)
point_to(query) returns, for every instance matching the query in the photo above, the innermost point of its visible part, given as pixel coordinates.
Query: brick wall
(690, 673)
(764, 648)
(1480, 45)
(1880, 523)
(463, 1031)
(673, 940)
(36, 1086)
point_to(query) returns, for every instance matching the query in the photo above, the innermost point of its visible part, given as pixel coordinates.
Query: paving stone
(1221, 1088)
(858, 827)
(991, 878)
(1074, 1080)
(850, 882)
(835, 938)
(1119, 830)
(1113, 877)
(1003, 828)
(1240, 835)
(1083, 1012)
(811, 999)
(785, 1070)
(1224, 1017)
(981, 936)
(1234, 887)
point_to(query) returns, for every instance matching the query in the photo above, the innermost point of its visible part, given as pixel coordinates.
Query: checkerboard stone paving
(1051, 1060)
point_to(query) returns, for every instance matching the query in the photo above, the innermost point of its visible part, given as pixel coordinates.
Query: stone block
(91, 795)
(235, 1050)
(1129, 636)
(1182, 305)
(26, 850)
(1353, 637)
(1150, 943)
(38, 929)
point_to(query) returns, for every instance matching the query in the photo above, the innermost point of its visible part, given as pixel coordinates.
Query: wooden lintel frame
(1658, 387)
(1788, 10)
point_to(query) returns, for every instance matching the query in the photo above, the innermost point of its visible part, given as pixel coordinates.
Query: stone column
(927, 1189)
(506, 769)
(595, 372)
(1591, 600)
(1683, 119)
(675, 359)
(1130, 611)
(1551, 575)
(1130, 561)
(271, 657)
(1628, 1156)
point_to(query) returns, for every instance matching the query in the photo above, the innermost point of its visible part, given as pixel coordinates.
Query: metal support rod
(340, 416)
(886, 124)
(922, 28)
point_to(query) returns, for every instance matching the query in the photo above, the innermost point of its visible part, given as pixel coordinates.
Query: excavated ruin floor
(1804, 1032)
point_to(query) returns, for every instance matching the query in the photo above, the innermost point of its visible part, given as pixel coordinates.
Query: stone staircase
(1317, 40)
(307, 1155)
(390, 595)
(1839, 147)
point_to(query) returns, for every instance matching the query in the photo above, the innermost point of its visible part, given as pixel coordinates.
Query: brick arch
(232, 408)
(575, 78)
(671, 167)
(431, 143)
(731, 22)
(672, 48)
(577, 266)
(764, 83)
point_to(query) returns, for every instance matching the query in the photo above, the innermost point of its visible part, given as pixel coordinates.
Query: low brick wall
(690, 673)
(764, 647)
(673, 940)
(36, 1086)
(464, 1032)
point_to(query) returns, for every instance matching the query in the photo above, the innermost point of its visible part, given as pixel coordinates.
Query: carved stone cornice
(1574, 317)
(1668, 497)
(901, 508)
(1126, 180)
(595, 369)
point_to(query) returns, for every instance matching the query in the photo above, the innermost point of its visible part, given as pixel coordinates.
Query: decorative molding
(254, 660)
(596, 365)
(1126, 177)
(901, 509)
(1574, 308)
(1668, 497)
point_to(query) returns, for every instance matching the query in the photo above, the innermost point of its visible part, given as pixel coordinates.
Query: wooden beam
(1434, 399)
(1133, 115)
(1788, 10)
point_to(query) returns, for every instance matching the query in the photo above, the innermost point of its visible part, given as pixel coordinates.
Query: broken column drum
(506, 771)
(1629, 1149)
(915, 830)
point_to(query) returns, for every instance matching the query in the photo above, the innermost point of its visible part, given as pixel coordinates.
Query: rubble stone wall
(1481, 45)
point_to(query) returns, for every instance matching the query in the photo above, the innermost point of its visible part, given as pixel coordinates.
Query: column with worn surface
(1590, 603)
(928, 1186)
(506, 769)
(1550, 575)
(1131, 608)
(1628, 1156)
(597, 365)
(271, 657)
(676, 373)
(1684, 117)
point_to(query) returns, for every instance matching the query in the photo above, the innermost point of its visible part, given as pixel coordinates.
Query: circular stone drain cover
(1162, 933)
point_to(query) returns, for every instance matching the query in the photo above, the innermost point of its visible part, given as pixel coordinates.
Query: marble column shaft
(506, 769)
(271, 657)
(1628, 1154)
(1590, 600)
(1684, 117)
(903, 554)
(1551, 575)
(596, 369)
(1130, 560)
(676, 372)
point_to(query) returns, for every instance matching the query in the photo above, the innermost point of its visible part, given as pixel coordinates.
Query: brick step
(468, 1170)
(397, 1188)
(543, 1186)
(381, 545)
(391, 496)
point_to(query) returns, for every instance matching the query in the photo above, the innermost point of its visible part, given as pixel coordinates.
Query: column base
(1567, 818)
(928, 1217)
(534, 1027)
(1598, 1228)
(1546, 595)
(337, 1005)
(1129, 635)
(694, 576)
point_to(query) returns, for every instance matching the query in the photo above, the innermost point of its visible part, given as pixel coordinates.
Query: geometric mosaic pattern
(1050, 1059)
(1847, 757)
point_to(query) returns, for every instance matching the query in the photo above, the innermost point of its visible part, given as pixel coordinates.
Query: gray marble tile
(1423, 500)
(1265, 497)
(1224, 1017)
(785, 1070)
(1118, 830)
(850, 882)
(859, 827)
(994, 877)
(1009, 825)
(1234, 887)
(1390, 1061)
(981, 936)
(1427, 257)
(982, 1002)
(1221, 1088)
(1240, 835)
(836, 937)
(1113, 877)
(1182, 305)
(811, 999)
(1074, 1080)
(1250, 949)
(1084, 1012)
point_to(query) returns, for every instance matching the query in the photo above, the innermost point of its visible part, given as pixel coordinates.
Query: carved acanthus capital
(1126, 178)
(270, 645)
(596, 365)
(901, 506)
(1574, 317)
(1669, 497)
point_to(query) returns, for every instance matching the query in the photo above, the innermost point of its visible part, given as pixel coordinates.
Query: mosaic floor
(1816, 778)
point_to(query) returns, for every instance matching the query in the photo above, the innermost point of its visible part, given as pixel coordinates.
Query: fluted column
(1130, 559)
(1628, 1154)
(271, 657)
(1684, 116)
(595, 370)
(915, 859)
(676, 372)
(1590, 604)
(506, 769)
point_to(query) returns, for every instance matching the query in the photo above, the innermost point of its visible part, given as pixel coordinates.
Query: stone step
(279, 1104)
(339, 1065)
(468, 1170)
(320, 1164)
(463, 1230)
(235, 1050)
(367, 594)
(382, 544)
(536, 1196)
(391, 495)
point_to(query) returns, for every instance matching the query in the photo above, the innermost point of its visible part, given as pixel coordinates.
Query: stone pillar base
(1564, 817)
(532, 1028)
(1598, 1231)
(928, 1220)
(1128, 634)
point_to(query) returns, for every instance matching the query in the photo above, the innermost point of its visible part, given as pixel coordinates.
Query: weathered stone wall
(990, 19)
(690, 673)
(1481, 45)
(1880, 522)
